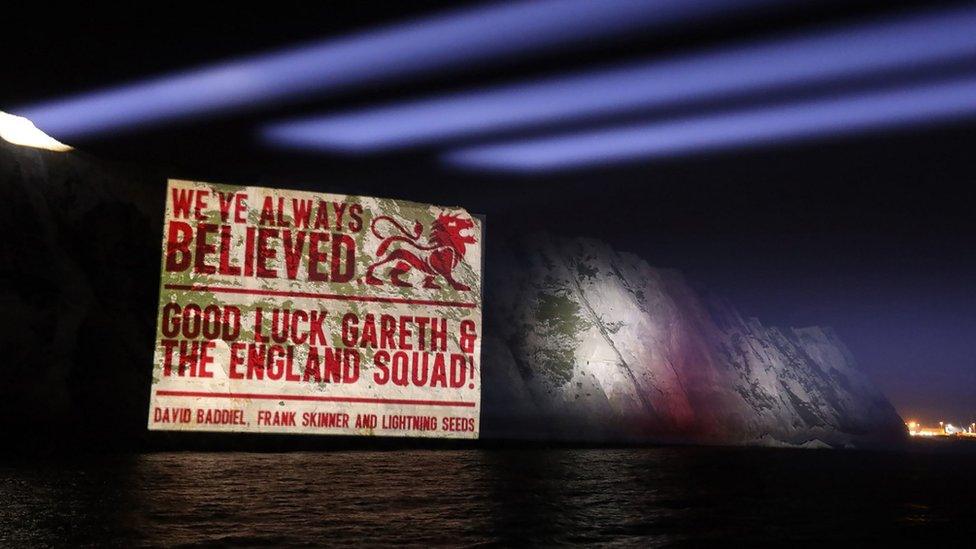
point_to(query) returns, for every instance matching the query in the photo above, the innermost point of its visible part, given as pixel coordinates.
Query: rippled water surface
(634, 497)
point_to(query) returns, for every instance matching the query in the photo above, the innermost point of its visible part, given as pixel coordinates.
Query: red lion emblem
(439, 256)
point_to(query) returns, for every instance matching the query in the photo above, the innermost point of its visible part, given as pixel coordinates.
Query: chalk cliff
(581, 342)
(587, 343)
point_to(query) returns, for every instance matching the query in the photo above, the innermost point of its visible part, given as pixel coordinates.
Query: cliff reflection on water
(628, 496)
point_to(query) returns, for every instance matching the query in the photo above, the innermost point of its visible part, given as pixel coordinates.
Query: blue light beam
(836, 116)
(903, 43)
(445, 41)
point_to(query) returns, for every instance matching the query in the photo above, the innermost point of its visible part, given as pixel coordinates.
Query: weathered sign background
(295, 312)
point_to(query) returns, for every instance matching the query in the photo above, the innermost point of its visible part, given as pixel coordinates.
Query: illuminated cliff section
(615, 333)
(598, 345)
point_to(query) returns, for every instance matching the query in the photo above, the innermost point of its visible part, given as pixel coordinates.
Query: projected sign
(293, 312)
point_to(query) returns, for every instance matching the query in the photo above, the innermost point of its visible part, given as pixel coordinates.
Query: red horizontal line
(338, 297)
(359, 400)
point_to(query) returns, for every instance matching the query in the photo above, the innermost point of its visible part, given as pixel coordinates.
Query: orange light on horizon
(944, 429)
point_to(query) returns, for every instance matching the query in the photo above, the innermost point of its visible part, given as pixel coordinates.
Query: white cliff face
(586, 343)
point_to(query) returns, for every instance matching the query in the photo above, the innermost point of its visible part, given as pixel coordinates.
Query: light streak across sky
(904, 43)
(464, 38)
(799, 121)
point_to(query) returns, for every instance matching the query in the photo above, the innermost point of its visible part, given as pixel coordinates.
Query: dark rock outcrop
(79, 276)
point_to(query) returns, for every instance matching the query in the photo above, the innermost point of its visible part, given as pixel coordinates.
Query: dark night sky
(872, 235)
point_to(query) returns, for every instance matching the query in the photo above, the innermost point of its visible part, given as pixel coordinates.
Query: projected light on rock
(859, 50)
(445, 41)
(835, 116)
(21, 131)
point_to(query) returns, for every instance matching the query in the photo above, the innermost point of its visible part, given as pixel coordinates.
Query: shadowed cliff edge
(582, 343)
